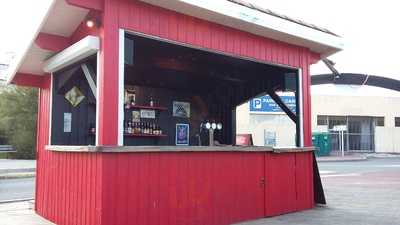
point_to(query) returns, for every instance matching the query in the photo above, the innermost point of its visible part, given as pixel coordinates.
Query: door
(280, 186)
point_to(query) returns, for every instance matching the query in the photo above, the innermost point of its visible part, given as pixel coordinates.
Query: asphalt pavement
(12, 189)
(357, 192)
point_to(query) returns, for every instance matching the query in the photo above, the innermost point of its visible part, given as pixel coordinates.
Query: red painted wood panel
(280, 193)
(182, 188)
(304, 181)
(63, 185)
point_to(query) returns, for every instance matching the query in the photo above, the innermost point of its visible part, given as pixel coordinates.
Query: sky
(370, 29)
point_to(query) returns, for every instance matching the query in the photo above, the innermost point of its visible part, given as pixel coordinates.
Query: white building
(371, 115)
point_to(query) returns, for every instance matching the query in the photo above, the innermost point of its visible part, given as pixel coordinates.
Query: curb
(343, 160)
(16, 200)
(17, 175)
(19, 170)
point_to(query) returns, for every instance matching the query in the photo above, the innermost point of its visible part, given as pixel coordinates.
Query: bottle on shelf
(125, 127)
(92, 129)
(141, 128)
(133, 127)
(129, 127)
(151, 101)
(151, 129)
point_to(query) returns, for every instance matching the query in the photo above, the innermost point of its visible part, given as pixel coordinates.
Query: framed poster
(182, 134)
(181, 109)
(135, 116)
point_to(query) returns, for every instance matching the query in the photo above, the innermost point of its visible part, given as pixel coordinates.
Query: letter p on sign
(257, 103)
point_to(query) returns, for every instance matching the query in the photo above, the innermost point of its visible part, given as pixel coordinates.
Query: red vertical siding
(182, 188)
(280, 194)
(108, 76)
(304, 181)
(63, 186)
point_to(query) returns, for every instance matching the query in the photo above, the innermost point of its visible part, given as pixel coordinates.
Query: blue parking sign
(267, 104)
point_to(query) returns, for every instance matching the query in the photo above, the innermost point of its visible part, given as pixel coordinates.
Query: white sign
(340, 128)
(67, 122)
(148, 114)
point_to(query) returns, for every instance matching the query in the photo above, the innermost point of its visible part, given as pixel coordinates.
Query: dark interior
(83, 116)
(213, 84)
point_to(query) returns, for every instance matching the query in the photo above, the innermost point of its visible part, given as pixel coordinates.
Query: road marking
(387, 166)
(341, 175)
(326, 171)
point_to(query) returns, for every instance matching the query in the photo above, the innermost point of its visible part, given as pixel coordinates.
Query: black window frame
(380, 121)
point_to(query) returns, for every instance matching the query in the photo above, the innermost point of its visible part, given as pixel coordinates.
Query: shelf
(147, 107)
(145, 135)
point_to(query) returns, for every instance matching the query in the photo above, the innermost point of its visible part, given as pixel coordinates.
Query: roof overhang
(253, 21)
(61, 20)
(76, 52)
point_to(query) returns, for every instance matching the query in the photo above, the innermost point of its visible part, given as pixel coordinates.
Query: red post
(108, 77)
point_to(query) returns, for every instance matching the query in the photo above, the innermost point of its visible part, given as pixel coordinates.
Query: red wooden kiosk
(213, 55)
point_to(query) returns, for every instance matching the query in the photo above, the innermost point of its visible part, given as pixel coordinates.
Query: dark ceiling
(162, 64)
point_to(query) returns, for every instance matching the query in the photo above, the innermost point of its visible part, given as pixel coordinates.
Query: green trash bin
(322, 141)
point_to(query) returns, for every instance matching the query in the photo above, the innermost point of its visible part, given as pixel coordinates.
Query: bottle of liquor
(150, 128)
(92, 129)
(151, 101)
(133, 127)
(159, 130)
(129, 127)
(125, 127)
(141, 128)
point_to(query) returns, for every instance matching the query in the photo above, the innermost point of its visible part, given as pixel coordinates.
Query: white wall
(256, 123)
(387, 138)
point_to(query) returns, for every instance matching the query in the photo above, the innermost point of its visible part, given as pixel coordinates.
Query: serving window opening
(73, 110)
(177, 95)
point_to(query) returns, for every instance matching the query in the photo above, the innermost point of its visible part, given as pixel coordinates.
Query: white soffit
(76, 52)
(253, 21)
(34, 60)
(61, 19)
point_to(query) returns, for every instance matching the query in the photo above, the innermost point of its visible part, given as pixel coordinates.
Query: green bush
(18, 110)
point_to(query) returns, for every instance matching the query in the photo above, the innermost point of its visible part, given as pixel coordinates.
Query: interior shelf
(145, 135)
(147, 107)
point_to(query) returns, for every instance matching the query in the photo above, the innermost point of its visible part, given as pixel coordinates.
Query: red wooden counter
(172, 185)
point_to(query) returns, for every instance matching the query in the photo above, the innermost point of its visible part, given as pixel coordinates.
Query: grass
(3, 155)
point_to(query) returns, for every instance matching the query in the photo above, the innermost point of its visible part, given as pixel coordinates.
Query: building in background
(371, 116)
(267, 123)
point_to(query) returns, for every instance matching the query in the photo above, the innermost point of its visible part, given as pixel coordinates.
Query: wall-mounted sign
(182, 134)
(74, 96)
(339, 128)
(67, 122)
(267, 104)
(181, 109)
(148, 114)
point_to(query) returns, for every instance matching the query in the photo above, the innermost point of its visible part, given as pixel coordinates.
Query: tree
(18, 110)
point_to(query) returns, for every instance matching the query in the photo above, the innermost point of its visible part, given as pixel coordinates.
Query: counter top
(110, 149)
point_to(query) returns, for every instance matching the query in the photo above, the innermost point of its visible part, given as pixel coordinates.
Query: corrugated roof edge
(269, 12)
